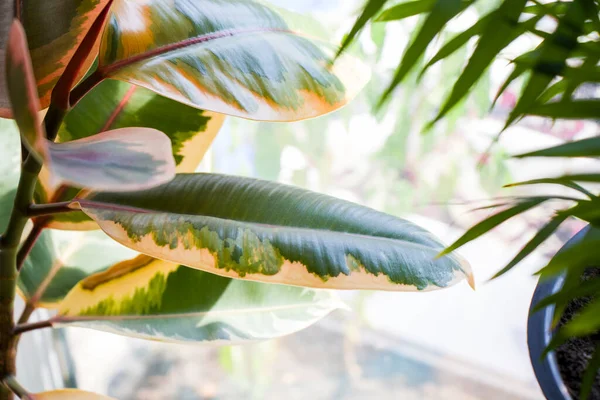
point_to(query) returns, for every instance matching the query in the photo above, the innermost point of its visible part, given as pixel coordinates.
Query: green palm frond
(565, 58)
(575, 37)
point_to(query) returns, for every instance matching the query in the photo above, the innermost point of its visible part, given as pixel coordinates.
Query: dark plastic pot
(539, 334)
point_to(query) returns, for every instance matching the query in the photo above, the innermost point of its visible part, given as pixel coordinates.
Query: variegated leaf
(265, 231)
(115, 104)
(68, 394)
(121, 159)
(155, 299)
(54, 31)
(236, 57)
(60, 259)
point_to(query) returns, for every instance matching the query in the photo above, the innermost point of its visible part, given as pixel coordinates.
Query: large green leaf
(54, 31)
(156, 299)
(265, 231)
(236, 57)
(115, 104)
(120, 159)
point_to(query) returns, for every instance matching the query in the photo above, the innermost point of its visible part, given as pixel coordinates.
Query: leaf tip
(467, 270)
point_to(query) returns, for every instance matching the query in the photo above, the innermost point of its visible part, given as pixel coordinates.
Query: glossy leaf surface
(155, 299)
(54, 31)
(236, 57)
(264, 231)
(121, 159)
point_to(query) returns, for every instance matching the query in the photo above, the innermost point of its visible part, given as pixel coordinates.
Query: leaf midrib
(119, 208)
(82, 318)
(109, 69)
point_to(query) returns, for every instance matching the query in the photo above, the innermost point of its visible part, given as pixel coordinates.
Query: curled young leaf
(120, 159)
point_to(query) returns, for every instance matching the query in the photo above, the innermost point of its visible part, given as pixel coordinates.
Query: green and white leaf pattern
(237, 57)
(265, 231)
(158, 300)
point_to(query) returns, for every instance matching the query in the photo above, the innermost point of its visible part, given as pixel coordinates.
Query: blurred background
(453, 344)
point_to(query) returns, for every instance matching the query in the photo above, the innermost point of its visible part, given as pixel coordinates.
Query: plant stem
(29, 243)
(9, 244)
(62, 90)
(38, 226)
(26, 314)
(38, 210)
(15, 387)
(85, 86)
(8, 268)
(22, 328)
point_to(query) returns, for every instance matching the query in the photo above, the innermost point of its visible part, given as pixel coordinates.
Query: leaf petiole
(15, 387)
(31, 326)
(40, 210)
